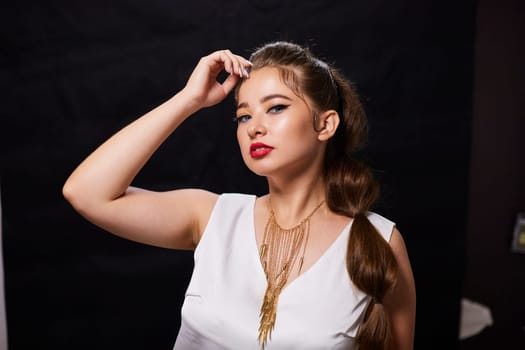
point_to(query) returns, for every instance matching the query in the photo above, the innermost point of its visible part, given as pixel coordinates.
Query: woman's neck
(292, 201)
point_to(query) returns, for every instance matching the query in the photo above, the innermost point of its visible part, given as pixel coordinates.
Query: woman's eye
(242, 118)
(277, 108)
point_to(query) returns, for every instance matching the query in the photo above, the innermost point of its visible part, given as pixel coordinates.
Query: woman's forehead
(264, 81)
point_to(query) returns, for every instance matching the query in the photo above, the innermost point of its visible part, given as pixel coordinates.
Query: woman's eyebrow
(264, 99)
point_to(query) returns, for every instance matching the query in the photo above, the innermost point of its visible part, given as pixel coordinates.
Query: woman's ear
(328, 122)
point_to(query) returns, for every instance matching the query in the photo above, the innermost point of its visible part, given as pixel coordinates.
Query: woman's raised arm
(99, 188)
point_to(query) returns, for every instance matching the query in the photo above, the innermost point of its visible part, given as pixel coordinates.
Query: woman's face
(275, 126)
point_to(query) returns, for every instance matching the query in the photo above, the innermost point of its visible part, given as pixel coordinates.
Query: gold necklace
(278, 254)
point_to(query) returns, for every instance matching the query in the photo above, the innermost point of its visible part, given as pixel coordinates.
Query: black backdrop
(75, 72)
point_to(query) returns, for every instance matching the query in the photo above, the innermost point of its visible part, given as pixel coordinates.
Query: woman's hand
(202, 86)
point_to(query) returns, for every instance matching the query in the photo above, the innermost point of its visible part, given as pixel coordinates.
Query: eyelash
(241, 118)
(279, 108)
(273, 110)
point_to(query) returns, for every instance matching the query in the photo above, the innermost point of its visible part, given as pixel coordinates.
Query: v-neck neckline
(296, 279)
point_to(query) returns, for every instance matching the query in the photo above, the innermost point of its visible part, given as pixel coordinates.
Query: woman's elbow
(75, 195)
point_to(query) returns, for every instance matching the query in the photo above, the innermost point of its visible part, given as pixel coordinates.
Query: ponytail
(372, 268)
(352, 190)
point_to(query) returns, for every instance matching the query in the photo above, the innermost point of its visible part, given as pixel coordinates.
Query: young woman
(307, 266)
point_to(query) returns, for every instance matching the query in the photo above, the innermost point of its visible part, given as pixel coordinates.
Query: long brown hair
(350, 186)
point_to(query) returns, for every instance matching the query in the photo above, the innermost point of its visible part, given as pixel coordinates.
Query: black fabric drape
(75, 72)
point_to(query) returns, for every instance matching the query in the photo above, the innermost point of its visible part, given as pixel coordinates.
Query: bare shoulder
(204, 202)
(397, 243)
(196, 196)
(198, 201)
(400, 302)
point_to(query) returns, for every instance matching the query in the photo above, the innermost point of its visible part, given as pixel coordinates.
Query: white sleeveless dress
(320, 309)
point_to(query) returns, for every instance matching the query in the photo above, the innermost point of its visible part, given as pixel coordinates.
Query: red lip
(259, 150)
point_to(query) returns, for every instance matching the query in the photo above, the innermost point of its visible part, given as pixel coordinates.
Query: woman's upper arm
(172, 219)
(400, 303)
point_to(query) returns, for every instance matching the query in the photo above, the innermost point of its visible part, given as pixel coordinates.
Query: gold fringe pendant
(278, 253)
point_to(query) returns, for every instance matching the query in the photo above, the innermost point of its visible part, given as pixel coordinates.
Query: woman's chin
(258, 171)
(258, 168)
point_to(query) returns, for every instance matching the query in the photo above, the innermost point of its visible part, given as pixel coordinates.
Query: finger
(222, 60)
(244, 61)
(234, 64)
(229, 83)
(239, 63)
(239, 66)
(245, 65)
(226, 62)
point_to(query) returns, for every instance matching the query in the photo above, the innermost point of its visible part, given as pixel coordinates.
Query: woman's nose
(256, 128)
